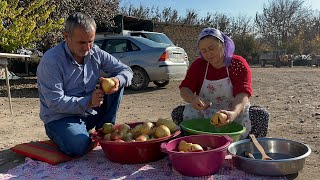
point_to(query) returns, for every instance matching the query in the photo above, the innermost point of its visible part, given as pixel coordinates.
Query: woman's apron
(220, 94)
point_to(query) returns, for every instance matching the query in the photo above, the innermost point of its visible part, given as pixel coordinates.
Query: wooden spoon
(259, 147)
(249, 154)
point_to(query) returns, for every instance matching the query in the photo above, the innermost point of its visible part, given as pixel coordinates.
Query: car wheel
(140, 79)
(161, 83)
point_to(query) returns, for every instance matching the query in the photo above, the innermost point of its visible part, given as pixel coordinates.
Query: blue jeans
(71, 133)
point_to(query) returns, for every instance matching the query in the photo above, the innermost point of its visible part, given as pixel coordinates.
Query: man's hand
(96, 98)
(199, 104)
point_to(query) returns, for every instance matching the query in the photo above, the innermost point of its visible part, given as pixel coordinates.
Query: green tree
(23, 26)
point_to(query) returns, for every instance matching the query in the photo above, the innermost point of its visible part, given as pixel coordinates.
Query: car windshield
(159, 38)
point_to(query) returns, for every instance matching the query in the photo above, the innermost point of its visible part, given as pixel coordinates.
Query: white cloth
(220, 94)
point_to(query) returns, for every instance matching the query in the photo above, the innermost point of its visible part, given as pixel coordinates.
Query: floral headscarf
(228, 43)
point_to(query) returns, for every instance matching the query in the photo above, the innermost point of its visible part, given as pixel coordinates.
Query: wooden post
(4, 62)
(8, 87)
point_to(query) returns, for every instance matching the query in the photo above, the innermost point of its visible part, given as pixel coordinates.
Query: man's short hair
(81, 20)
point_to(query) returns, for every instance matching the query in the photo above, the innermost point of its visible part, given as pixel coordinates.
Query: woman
(220, 81)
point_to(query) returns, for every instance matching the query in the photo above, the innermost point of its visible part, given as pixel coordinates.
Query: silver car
(150, 61)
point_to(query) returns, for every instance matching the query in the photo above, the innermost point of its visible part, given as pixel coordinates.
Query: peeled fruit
(219, 118)
(184, 146)
(116, 135)
(162, 131)
(142, 137)
(196, 148)
(124, 128)
(147, 128)
(107, 128)
(128, 137)
(106, 84)
(107, 137)
(169, 123)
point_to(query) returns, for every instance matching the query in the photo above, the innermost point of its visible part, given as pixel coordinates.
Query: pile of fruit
(141, 132)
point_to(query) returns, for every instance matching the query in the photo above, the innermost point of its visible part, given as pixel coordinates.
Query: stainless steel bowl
(288, 156)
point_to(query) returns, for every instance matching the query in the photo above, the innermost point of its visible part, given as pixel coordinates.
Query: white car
(150, 61)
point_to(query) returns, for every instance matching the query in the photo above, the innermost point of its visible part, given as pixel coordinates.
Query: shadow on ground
(9, 160)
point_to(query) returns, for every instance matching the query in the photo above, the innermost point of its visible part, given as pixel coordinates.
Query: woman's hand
(231, 116)
(199, 104)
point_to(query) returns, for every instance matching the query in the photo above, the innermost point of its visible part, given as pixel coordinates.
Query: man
(70, 103)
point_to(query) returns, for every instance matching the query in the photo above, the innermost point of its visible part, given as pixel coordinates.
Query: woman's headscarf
(228, 43)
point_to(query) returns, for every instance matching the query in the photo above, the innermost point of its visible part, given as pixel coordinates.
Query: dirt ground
(290, 94)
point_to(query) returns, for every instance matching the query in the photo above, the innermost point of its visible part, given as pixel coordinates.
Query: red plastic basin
(198, 163)
(132, 152)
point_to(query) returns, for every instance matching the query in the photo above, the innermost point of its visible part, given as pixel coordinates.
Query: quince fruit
(147, 128)
(218, 118)
(184, 146)
(196, 148)
(136, 130)
(169, 123)
(107, 84)
(125, 128)
(107, 128)
(162, 131)
(142, 137)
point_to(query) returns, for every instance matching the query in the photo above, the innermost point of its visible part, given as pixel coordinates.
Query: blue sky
(228, 7)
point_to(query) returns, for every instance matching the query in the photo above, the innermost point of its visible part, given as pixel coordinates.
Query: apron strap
(227, 71)
(205, 75)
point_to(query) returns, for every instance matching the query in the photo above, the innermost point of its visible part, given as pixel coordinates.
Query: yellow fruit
(106, 84)
(169, 123)
(196, 148)
(184, 146)
(218, 118)
(147, 128)
(162, 131)
(107, 128)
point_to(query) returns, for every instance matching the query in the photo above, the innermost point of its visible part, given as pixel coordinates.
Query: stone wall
(184, 36)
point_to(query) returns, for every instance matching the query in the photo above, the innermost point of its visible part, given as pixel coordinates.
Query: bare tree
(222, 22)
(241, 25)
(191, 17)
(207, 20)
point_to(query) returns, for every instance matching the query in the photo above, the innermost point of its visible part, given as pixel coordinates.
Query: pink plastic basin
(196, 164)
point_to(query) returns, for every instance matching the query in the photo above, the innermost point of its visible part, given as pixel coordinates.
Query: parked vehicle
(275, 58)
(150, 61)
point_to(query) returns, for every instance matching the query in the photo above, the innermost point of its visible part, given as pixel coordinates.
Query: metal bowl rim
(278, 139)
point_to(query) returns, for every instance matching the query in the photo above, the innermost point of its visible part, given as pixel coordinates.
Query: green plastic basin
(203, 126)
